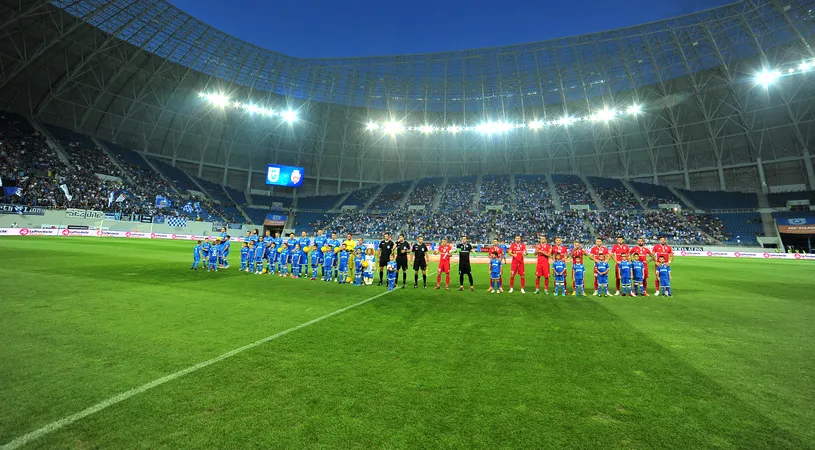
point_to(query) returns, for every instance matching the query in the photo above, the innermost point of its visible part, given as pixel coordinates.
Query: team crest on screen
(274, 174)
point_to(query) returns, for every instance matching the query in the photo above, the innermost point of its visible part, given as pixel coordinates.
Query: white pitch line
(118, 398)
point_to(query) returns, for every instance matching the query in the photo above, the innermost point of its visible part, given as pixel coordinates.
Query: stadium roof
(531, 74)
(132, 71)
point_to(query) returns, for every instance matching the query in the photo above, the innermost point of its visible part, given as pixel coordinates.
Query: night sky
(314, 28)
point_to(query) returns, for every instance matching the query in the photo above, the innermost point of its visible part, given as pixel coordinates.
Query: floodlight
(767, 77)
(218, 99)
(604, 115)
(565, 121)
(426, 129)
(372, 126)
(393, 127)
(804, 66)
(634, 109)
(454, 129)
(536, 124)
(289, 116)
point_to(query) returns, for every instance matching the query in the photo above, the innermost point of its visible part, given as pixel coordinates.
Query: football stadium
(595, 241)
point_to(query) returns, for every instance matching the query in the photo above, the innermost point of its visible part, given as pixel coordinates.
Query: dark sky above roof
(330, 28)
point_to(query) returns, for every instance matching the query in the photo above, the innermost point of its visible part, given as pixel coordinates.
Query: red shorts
(444, 267)
(542, 270)
(518, 267)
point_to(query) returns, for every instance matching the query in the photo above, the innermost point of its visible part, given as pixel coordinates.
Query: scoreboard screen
(287, 176)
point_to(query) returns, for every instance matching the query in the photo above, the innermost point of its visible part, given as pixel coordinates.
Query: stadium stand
(360, 197)
(614, 195)
(713, 200)
(495, 190)
(572, 191)
(81, 150)
(738, 228)
(780, 199)
(391, 195)
(458, 194)
(532, 193)
(318, 202)
(425, 192)
(310, 222)
(654, 195)
(265, 201)
(179, 178)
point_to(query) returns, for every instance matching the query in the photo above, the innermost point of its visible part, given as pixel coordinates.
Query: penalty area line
(118, 398)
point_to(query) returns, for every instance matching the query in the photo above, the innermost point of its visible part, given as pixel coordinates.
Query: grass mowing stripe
(54, 426)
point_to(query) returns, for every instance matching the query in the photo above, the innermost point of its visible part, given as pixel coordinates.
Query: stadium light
(634, 109)
(536, 124)
(217, 99)
(565, 121)
(767, 77)
(372, 126)
(289, 116)
(394, 127)
(426, 129)
(803, 67)
(454, 129)
(604, 115)
(254, 109)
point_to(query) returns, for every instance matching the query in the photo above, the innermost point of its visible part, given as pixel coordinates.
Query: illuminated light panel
(426, 129)
(604, 115)
(767, 77)
(536, 124)
(372, 126)
(394, 127)
(289, 116)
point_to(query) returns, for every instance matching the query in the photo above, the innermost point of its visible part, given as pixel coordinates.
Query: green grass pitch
(728, 362)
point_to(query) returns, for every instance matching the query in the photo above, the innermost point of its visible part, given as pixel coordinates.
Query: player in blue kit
(664, 274)
(296, 254)
(317, 254)
(260, 248)
(244, 255)
(368, 269)
(305, 242)
(328, 265)
(213, 258)
(226, 243)
(601, 272)
(221, 250)
(579, 274)
(250, 256)
(495, 273)
(343, 261)
(392, 272)
(223, 234)
(205, 248)
(254, 237)
(196, 256)
(284, 257)
(625, 275)
(358, 259)
(559, 267)
(291, 241)
(638, 272)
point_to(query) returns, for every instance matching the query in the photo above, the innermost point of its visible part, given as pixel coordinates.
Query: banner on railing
(22, 210)
(73, 213)
(275, 220)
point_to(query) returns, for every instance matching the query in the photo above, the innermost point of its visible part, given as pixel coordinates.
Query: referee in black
(402, 248)
(383, 255)
(464, 250)
(420, 262)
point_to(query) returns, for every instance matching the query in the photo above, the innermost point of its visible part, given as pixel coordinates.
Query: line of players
(631, 266)
(338, 260)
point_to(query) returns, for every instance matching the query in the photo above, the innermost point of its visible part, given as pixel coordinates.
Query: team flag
(64, 188)
(176, 221)
(188, 208)
(9, 191)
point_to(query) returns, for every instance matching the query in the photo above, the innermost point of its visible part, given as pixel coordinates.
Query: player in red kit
(578, 252)
(544, 251)
(563, 251)
(644, 253)
(444, 251)
(598, 249)
(497, 248)
(617, 250)
(518, 250)
(661, 250)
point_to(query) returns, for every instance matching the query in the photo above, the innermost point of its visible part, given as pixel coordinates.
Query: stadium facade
(132, 71)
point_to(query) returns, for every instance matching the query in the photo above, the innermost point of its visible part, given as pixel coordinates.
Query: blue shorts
(602, 279)
(578, 281)
(626, 281)
(665, 283)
